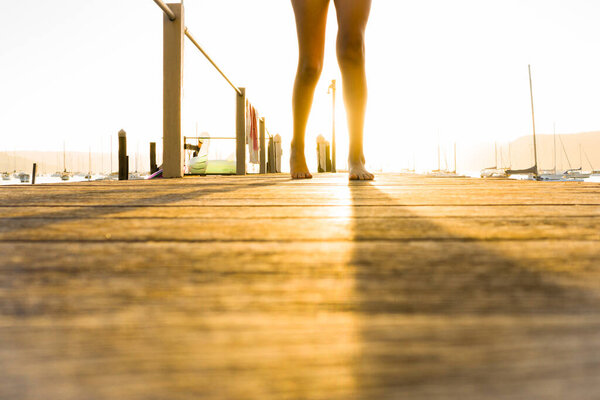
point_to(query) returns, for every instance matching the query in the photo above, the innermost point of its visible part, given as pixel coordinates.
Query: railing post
(33, 173)
(173, 36)
(240, 132)
(263, 146)
(123, 159)
(153, 166)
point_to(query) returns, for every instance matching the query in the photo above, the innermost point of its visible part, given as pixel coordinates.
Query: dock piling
(263, 147)
(33, 173)
(173, 37)
(271, 156)
(240, 132)
(123, 159)
(153, 166)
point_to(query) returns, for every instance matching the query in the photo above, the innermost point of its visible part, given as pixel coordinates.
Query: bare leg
(311, 19)
(352, 16)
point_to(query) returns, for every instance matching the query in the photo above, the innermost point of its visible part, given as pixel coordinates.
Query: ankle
(297, 146)
(355, 158)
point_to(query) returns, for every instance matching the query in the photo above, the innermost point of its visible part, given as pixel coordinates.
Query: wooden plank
(260, 287)
(308, 229)
(329, 320)
(207, 212)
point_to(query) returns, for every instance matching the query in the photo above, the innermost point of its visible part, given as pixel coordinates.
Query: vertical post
(153, 166)
(123, 159)
(173, 35)
(33, 174)
(263, 147)
(333, 146)
(277, 152)
(240, 132)
(271, 156)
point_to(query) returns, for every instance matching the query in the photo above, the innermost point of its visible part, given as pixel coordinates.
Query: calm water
(49, 179)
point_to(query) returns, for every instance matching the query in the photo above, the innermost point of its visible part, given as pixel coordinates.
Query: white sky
(80, 70)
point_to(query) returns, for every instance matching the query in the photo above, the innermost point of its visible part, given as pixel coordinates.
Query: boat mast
(565, 151)
(588, 160)
(101, 158)
(535, 167)
(454, 157)
(439, 155)
(495, 155)
(554, 148)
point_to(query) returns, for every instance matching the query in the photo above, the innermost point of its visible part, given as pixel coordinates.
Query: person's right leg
(352, 16)
(311, 19)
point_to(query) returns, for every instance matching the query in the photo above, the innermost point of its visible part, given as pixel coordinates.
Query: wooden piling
(173, 37)
(153, 166)
(263, 147)
(33, 173)
(123, 159)
(240, 132)
(271, 167)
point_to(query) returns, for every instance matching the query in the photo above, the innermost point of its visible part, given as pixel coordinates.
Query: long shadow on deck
(183, 193)
(450, 318)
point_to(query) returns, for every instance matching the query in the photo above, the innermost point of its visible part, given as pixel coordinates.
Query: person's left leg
(352, 16)
(311, 20)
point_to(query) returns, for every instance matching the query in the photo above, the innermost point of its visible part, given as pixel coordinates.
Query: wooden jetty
(259, 287)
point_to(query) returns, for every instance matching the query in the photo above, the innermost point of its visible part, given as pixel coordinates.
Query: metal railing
(189, 35)
(172, 98)
(166, 10)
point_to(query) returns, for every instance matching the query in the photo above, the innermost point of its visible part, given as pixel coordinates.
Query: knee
(350, 49)
(310, 70)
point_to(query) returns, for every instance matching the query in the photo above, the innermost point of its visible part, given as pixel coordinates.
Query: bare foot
(298, 167)
(358, 172)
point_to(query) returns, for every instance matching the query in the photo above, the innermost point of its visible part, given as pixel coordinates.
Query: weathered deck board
(260, 287)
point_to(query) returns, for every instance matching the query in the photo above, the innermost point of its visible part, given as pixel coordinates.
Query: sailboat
(577, 173)
(593, 171)
(494, 172)
(6, 175)
(552, 175)
(24, 177)
(65, 176)
(531, 172)
(88, 176)
(446, 173)
(571, 174)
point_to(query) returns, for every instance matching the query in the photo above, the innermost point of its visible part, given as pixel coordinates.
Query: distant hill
(476, 157)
